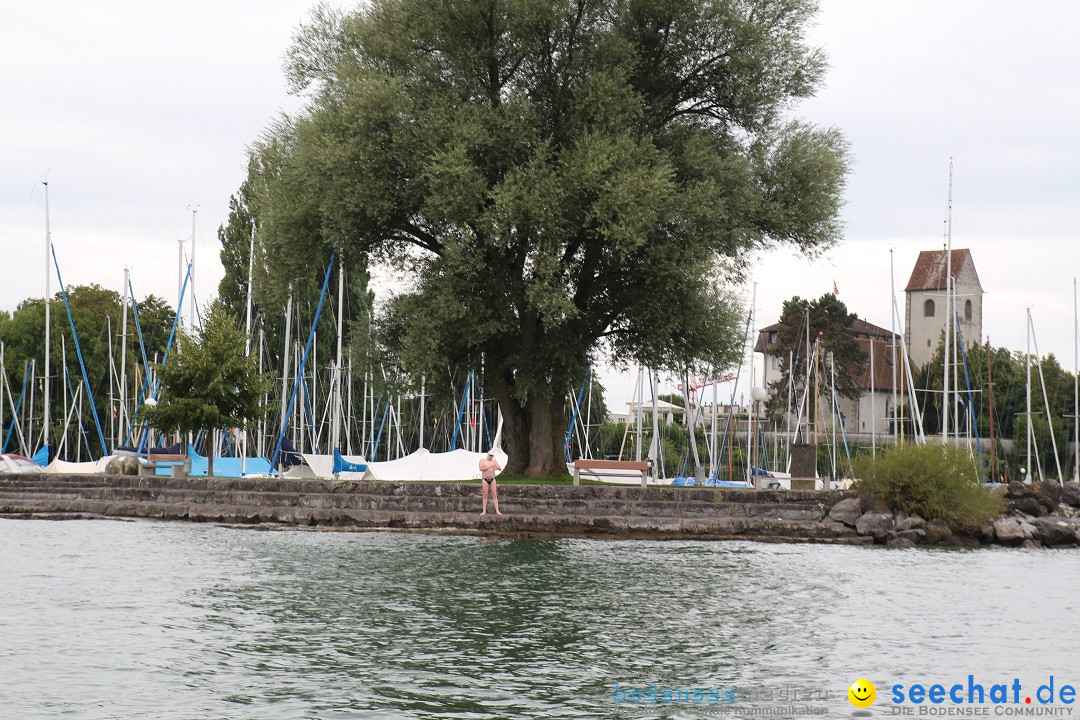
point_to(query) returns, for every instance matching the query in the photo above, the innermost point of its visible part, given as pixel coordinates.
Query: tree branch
(416, 236)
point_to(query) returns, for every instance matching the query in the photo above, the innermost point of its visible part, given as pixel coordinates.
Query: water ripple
(178, 621)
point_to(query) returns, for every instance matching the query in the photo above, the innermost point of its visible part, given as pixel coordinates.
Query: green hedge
(932, 481)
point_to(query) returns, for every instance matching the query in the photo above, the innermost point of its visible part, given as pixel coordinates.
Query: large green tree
(557, 177)
(235, 239)
(95, 311)
(827, 322)
(208, 382)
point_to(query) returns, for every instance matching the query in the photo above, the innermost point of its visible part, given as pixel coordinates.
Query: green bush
(934, 482)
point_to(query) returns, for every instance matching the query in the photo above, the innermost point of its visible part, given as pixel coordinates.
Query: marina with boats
(335, 421)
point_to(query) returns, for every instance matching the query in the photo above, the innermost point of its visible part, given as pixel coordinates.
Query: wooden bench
(611, 468)
(159, 460)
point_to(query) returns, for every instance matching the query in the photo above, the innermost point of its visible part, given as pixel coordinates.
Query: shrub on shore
(932, 481)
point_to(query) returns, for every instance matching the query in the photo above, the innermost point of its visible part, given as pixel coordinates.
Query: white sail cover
(322, 466)
(615, 477)
(62, 467)
(420, 465)
(424, 465)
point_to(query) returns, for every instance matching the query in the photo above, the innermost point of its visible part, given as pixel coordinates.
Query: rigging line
(303, 362)
(731, 404)
(168, 347)
(971, 400)
(28, 370)
(78, 351)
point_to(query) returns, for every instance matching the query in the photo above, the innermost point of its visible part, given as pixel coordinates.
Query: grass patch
(932, 481)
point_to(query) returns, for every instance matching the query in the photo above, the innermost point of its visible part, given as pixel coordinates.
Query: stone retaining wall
(611, 511)
(591, 511)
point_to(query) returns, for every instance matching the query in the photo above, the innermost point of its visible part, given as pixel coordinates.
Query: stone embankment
(1040, 515)
(563, 510)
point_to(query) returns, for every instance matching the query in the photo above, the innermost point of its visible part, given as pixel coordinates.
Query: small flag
(835, 290)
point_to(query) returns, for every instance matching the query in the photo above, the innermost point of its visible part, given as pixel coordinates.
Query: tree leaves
(830, 325)
(560, 177)
(208, 382)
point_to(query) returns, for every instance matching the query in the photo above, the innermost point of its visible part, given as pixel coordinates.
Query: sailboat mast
(990, 390)
(873, 404)
(286, 353)
(48, 325)
(1027, 402)
(251, 274)
(1046, 404)
(808, 353)
(112, 386)
(713, 456)
(688, 394)
(750, 414)
(948, 312)
(123, 353)
(423, 388)
(892, 323)
(266, 397)
(335, 417)
(349, 414)
(957, 359)
(191, 261)
(30, 412)
(3, 382)
(363, 416)
(65, 388)
(640, 419)
(1076, 388)
(834, 411)
(654, 447)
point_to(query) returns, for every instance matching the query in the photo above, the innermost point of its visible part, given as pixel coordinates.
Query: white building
(872, 411)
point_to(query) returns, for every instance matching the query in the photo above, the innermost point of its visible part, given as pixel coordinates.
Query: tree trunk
(515, 428)
(546, 454)
(533, 433)
(210, 454)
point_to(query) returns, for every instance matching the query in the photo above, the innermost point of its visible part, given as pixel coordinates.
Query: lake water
(111, 619)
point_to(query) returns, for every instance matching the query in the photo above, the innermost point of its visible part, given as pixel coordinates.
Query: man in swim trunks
(488, 467)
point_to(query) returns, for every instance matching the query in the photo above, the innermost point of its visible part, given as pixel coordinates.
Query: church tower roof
(929, 270)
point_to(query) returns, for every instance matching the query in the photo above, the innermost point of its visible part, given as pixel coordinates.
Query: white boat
(18, 465)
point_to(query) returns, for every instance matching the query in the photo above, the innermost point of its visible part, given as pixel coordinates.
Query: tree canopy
(208, 383)
(95, 310)
(829, 325)
(554, 179)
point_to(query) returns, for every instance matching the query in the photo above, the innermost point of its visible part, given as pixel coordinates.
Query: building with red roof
(927, 302)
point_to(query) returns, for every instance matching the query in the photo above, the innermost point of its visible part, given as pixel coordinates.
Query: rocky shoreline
(1040, 515)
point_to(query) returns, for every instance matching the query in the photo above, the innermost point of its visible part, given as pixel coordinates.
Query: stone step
(58, 483)
(723, 527)
(600, 507)
(429, 497)
(542, 509)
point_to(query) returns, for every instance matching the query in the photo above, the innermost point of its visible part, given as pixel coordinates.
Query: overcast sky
(138, 111)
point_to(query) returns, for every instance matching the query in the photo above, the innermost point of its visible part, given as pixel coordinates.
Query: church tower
(927, 302)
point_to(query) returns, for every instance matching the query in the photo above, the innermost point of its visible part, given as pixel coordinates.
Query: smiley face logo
(862, 693)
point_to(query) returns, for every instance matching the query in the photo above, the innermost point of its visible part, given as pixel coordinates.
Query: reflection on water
(103, 619)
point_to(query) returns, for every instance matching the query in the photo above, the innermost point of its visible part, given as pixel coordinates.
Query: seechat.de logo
(862, 693)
